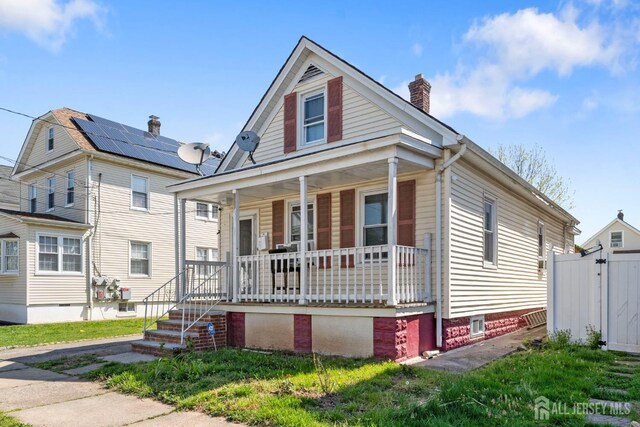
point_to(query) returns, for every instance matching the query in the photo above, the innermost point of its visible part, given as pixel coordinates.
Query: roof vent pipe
(620, 215)
(154, 125)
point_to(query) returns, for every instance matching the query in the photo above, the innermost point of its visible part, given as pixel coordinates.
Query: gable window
(313, 115)
(71, 187)
(50, 140)
(32, 198)
(295, 224)
(476, 326)
(51, 193)
(490, 235)
(139, 264)
(139, 192)
(615, 239)
(206, 211)
(541, 247)
(9, 261)
(59, 254)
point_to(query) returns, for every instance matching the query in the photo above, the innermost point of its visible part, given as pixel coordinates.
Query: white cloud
(47, 22)
(417, 49)
(514, 48)
(402, 89)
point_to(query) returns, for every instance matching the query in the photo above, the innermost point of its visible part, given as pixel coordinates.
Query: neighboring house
(92, 234)
(370, 228)
(9, 190)
(616, 237)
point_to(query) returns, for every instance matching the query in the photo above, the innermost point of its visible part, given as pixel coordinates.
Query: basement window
(126, 307)
(476, 327)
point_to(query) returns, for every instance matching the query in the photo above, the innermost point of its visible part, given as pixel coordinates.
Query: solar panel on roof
(115, 138)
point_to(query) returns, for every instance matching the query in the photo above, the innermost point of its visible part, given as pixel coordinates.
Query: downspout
(89, 271)
(443, 167)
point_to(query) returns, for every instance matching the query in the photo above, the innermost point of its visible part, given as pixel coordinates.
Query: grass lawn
(291, 390)
(17, 335)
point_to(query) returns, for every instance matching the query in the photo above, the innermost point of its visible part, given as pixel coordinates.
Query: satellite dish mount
(195, 153)
(248, 141)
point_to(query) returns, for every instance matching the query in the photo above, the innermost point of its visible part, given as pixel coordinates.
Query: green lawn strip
(287, 390)
(68, 362)
(25, 335)
(8, 421)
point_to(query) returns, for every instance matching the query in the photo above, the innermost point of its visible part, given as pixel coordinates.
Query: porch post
(303, 239)
(176, 240)
(183, 247)
(392, 222)
(235, 245)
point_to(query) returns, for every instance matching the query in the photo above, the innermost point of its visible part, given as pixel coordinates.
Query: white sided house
(93, 233)
(618, 237)
(366, 227)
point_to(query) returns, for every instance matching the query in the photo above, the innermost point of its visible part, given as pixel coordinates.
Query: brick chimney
(620, 215)
(154, 125)
(420, 90)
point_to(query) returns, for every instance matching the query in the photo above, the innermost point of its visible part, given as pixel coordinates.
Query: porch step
(168, 336)
(155, 348)
(176, 325)
(176, 314)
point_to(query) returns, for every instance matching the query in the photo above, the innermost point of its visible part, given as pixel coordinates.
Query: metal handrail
(156, 301)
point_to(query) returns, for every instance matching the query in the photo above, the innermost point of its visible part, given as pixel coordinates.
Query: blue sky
(563, 75)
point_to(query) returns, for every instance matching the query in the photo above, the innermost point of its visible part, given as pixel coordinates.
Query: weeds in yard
(594, 338)
(559, 340)
(68, 362)
(327, 383)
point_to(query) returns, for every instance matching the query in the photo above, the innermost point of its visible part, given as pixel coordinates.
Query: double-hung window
(59, 254)
(139, 192)
(490, 235)
(33, 192)
(140, 259)
(71, 188)
(374, 220)
(206, 254)
(295, 224)
(313, 118)
(50, 139)
(51, 193)
(206, 211)
(9, 256)
(615, 239)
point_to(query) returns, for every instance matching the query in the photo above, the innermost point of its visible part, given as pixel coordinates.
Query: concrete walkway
(44, 398)
(474, 356)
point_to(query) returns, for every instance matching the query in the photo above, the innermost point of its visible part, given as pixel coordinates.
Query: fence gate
(583, 291)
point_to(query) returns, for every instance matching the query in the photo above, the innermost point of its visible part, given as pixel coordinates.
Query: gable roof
(42, 218)
(618, 221)
(94, 134)
(278, 87)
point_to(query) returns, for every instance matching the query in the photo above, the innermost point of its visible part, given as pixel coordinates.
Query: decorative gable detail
(334, 109)
(311, 72)
(290, 122)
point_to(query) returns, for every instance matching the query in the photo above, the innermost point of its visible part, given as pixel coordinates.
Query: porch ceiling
(339, 177)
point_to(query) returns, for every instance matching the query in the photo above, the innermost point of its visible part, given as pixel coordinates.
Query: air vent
(311, 72)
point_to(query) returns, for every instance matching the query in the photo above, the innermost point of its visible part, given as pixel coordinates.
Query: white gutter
(89, 238)
(443, 167)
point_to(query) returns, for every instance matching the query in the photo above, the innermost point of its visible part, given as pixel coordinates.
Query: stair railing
(160, 302)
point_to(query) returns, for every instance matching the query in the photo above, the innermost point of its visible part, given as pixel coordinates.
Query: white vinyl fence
(601, 292)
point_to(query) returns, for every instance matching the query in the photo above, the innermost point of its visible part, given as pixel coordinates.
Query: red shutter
(323, 228)
(348, 223)
(334, 109)
(290, 125)
(407, 213)
(277, 225)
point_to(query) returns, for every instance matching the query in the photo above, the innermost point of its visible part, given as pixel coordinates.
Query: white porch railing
(341, 276)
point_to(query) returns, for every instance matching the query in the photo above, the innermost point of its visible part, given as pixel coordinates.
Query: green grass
(289, 390)
(7, 421)
(68, 362)
(21, 335)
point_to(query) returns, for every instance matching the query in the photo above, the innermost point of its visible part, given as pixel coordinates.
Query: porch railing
(356, 275)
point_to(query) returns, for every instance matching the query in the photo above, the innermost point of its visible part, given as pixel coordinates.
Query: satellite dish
(248, 141)
(195, 153)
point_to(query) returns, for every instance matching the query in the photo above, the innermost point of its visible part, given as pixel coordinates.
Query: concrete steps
(166, 339)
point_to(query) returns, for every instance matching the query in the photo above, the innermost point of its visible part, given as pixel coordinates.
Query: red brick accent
(455, 332)
(401, 338)
(235, 328)
(302, 333)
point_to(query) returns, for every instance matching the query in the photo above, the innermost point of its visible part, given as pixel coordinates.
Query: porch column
(235, 245)
(183, 247)
(392, 222)
(176, 241)
(303, 239)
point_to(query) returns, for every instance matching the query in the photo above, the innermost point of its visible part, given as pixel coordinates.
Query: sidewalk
(474, 356)
(44, 398)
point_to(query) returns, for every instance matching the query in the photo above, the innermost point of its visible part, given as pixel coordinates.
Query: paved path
(474, 356)
(44, 398)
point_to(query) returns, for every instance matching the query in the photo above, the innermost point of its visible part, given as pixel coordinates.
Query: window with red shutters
(347, 223)
(334, 109)
(290, 122)
(323, 227)
(277, 224)
(407, 213)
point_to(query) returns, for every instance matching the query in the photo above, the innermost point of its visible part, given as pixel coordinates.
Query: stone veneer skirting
(456, 332)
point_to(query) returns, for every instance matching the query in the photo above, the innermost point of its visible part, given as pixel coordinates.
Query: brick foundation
(235, 328)
(455, 332)
(402, 338)
(302, 333)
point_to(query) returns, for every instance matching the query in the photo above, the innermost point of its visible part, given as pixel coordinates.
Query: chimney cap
(620, 215)
(419, 76)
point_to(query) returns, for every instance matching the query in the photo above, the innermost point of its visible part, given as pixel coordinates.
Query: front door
(246, 247)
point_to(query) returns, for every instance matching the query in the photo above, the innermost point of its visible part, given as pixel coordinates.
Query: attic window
(615, 239)
(50, 140)
(311, 72)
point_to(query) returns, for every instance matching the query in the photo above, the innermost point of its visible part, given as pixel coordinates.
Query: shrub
(594, 338)
(560, 339)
